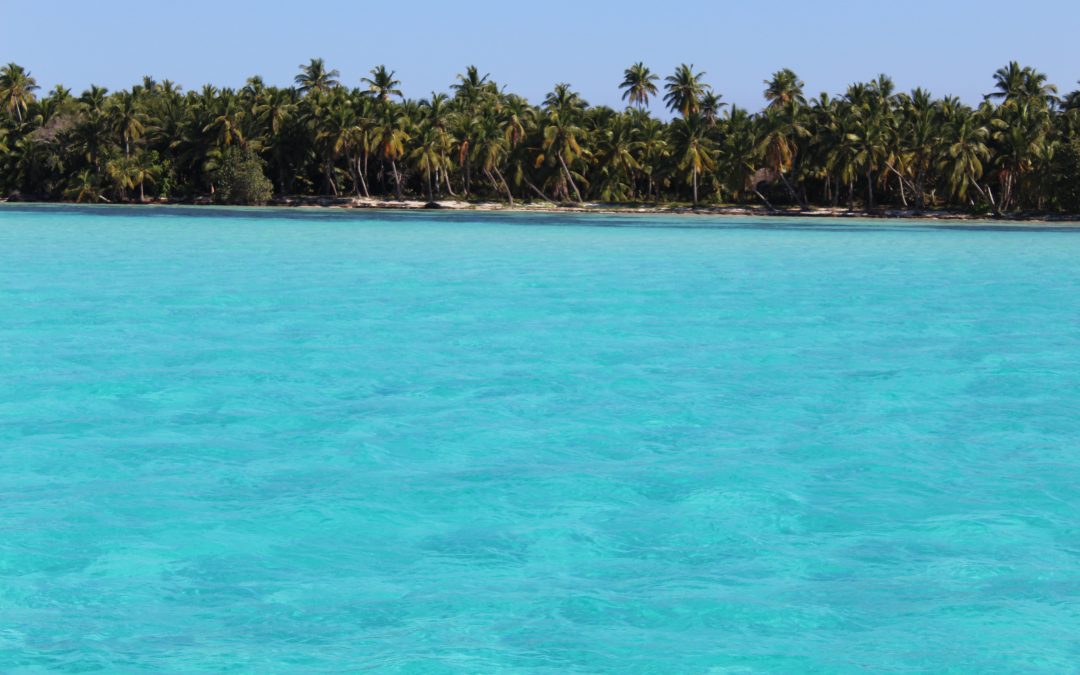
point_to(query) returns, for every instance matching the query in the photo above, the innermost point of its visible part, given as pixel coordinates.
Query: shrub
(240, 178)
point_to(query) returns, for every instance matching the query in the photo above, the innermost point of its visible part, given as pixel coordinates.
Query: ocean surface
(334, 441)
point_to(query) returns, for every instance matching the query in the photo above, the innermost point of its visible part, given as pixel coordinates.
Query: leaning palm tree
(639, 83)
(315, 77)
(684, 90)
(490, 148)
(561, 143)
(781, 129)
(17, 89)
(561, 133)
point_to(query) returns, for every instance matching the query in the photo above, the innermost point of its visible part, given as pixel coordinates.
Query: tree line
(869, 148)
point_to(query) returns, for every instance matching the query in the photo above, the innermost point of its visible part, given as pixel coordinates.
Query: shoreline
(600, 208)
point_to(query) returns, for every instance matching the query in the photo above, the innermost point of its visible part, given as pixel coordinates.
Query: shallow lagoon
(275, 440)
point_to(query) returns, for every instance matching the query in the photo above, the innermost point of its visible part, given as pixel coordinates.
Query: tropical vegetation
(870, 147)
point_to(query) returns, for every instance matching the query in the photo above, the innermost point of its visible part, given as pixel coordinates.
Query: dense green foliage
(1019, 150)
(240, 178)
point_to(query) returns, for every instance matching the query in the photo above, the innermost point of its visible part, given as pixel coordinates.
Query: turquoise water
(332, 441)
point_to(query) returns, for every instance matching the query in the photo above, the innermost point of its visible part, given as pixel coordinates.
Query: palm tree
(274, 110)
(1019, 138)
(617, 157)
(226, 126)
(382, 84)
(561, 134)
(431, 157)
(653, 150)
(639, 83)
(126, 119)
(693, 147)
(737, 154)
(491, 147)
(388, 138)
(1014, 82)
(784, 88)
(472, 87)
(1072, 100)
(438, 118)
(314, 77)
(963, 160)
(520, 118)
(336, 133)
(872, 146)
(17, 89)
(84, 187)
(564, 100)
(684, 90)
(144, 170)
(122, 172)
(710, 107)
(778, 144)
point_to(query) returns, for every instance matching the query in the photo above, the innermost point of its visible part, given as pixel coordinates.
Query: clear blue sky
(948, 46)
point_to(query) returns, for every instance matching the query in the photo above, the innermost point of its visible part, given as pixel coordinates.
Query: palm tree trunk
(570, 178)
(509, 195)
(328, 170)
(695, 187)
(539, 191)
(988, 195)
(363, 182)
(791, 189)
(762, 198)
(280, 172)
(900, 181)
(353, 173)
(869, 191)
(397, 178)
